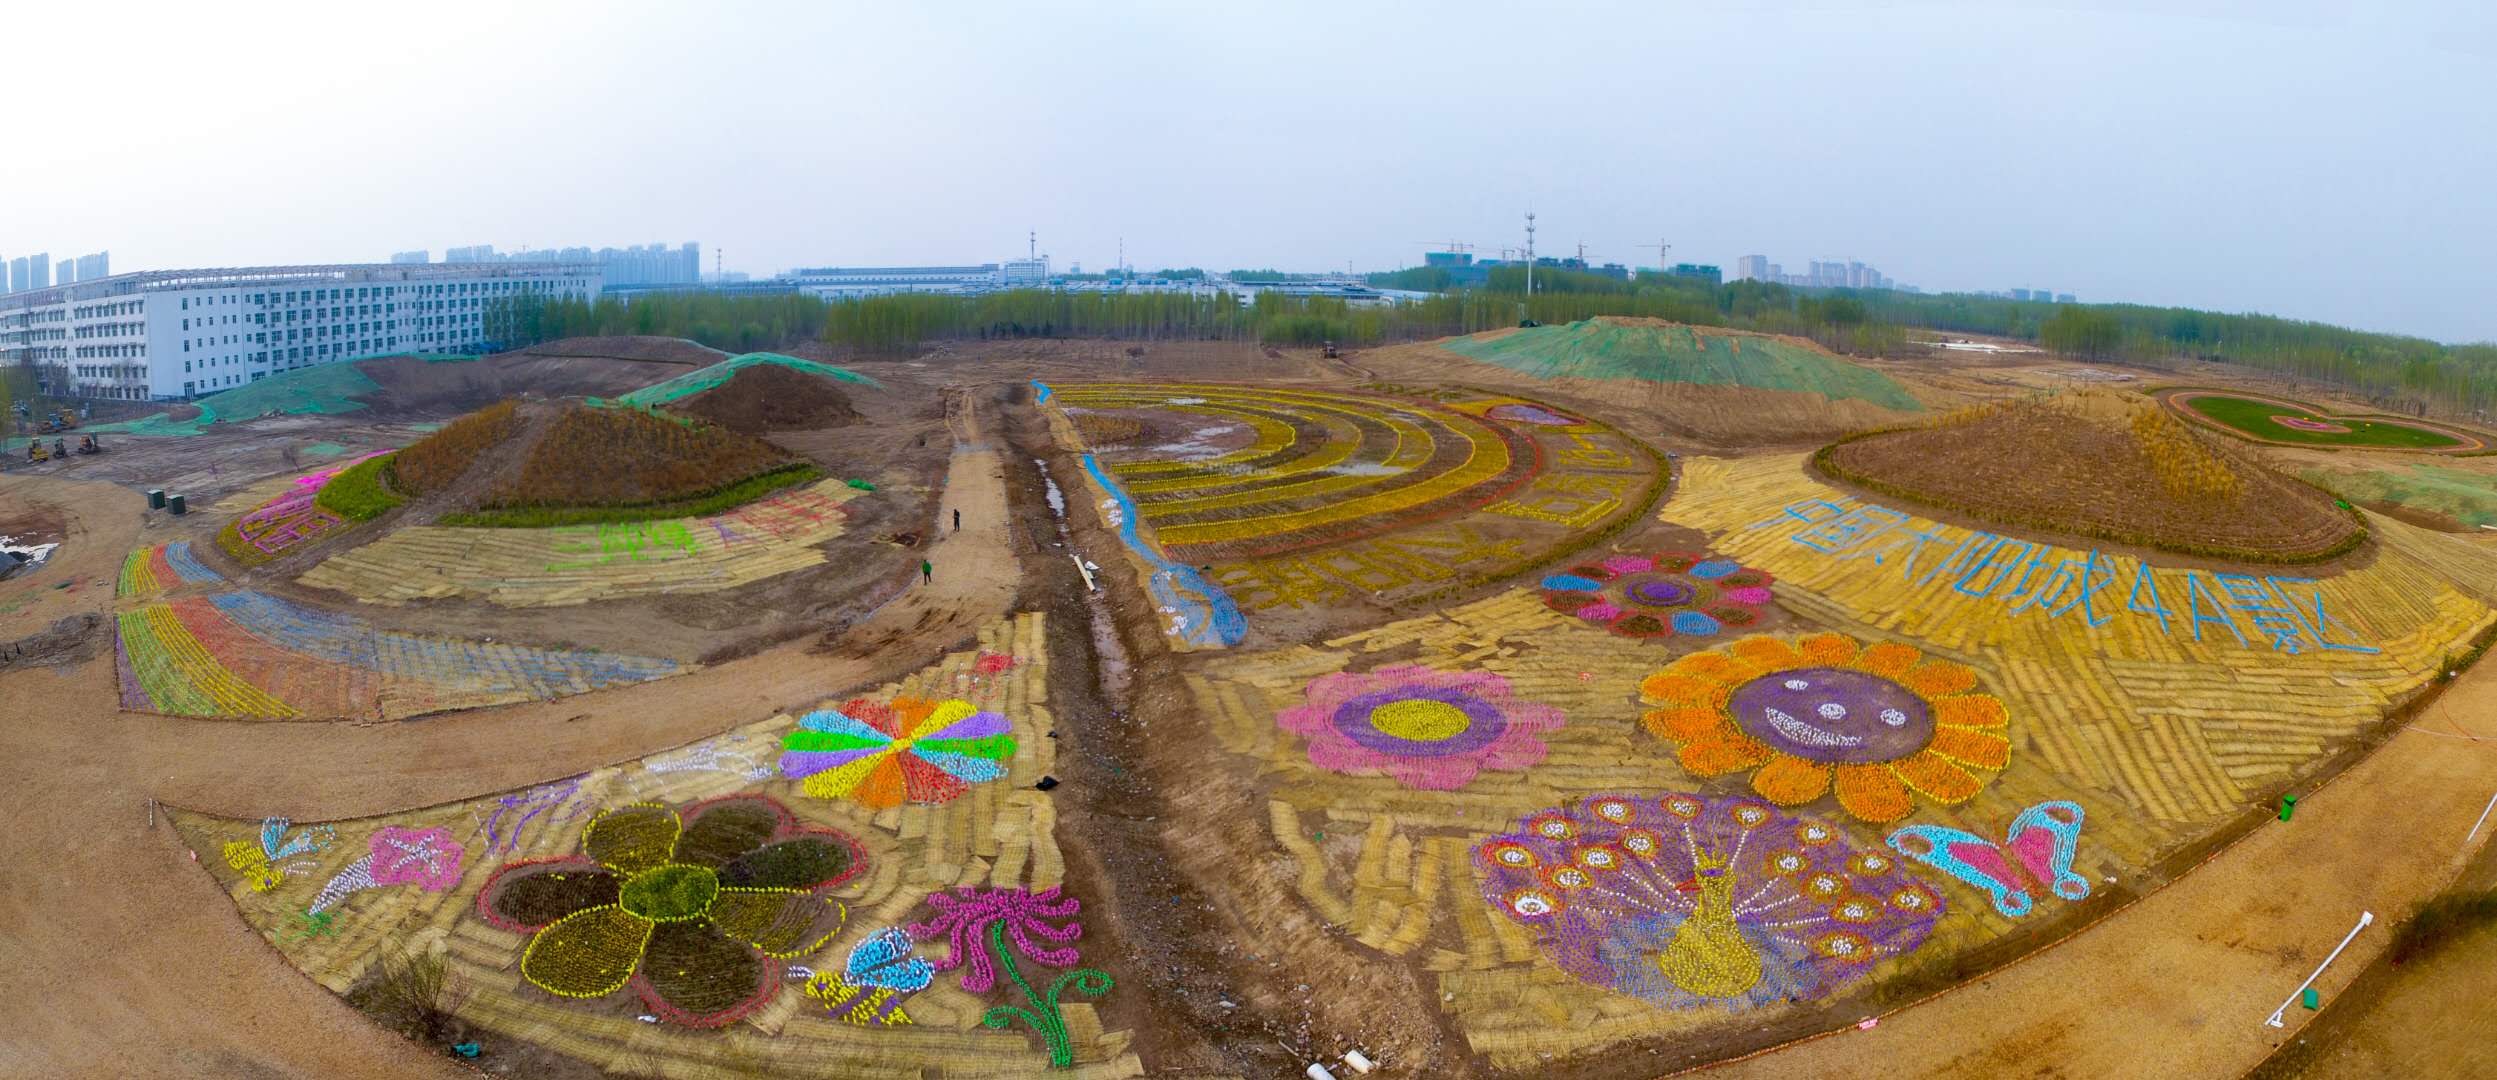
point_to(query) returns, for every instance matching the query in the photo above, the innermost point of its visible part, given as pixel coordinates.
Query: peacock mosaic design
(1685, 900)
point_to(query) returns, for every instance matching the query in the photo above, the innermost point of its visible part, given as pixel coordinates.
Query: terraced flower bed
(1305, 499)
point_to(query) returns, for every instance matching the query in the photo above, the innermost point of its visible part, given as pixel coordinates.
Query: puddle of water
(1057, 498)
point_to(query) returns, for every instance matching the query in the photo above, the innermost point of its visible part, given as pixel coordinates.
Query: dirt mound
(2104, 467)
(414, 387)
(771, 397)
(665, 350)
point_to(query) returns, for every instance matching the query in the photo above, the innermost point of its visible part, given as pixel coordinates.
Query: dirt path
(2180, 983)
(121, 959)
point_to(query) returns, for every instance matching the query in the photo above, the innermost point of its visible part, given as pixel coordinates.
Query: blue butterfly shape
(273, 841)
(885, 961)
(2035, 856)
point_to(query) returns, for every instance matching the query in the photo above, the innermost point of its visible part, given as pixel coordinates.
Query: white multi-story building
(837, 282)
(171, 334)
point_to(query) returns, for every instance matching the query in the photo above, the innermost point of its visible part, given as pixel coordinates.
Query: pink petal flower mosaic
(1427, 728)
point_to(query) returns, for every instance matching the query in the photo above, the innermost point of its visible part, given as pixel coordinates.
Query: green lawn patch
(2254, 417)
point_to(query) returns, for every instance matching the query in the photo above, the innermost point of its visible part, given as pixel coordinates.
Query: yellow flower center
(1420, 720)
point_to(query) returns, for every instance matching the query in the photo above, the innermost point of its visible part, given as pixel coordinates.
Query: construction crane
(1661, 248)
(1446, 245)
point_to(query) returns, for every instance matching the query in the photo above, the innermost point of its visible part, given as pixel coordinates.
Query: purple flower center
(1420, 721)
(1837, 716)
(1661, 593)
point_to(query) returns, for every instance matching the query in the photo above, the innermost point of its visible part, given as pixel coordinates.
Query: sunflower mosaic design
(1429, 729)
(1682, 899)
(1879, 724)
(694, 908)
(1654, 596)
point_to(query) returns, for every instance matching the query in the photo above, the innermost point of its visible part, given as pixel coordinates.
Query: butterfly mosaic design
(2033, 859)
(869, 989)
(265, 865)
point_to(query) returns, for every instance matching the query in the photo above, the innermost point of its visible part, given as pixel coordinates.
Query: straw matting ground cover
(417, 891)
(196, 647)
(578, 564)
(2076, 717)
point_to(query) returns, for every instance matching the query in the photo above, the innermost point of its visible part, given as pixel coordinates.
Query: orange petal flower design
(1878, 725)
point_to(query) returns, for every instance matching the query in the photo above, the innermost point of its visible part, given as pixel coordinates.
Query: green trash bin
(155, 498)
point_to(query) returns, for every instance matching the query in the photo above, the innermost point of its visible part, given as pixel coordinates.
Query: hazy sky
(2282, 157)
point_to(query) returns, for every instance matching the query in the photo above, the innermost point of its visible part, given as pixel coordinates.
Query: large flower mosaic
(692, 908)
(1684, 900)
(1653, 596)
(1428, 729)
(910, 750)
(1879, 723)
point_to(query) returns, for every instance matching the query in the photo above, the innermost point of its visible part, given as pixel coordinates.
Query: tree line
(2393, 371)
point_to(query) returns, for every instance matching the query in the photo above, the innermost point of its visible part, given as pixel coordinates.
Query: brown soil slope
(420, 388)
(770, 397)
(2103, 467)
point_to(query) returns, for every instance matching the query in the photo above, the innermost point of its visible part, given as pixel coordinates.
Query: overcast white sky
(2281, 157)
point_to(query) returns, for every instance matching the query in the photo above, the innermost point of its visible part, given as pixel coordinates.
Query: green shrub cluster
(361, 492)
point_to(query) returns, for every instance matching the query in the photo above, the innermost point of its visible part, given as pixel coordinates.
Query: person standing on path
(927, 572)
(957, 519)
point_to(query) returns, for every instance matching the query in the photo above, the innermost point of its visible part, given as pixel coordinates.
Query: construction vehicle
(59, 420)
(35, 452)
(1330, 349)
(88, 445)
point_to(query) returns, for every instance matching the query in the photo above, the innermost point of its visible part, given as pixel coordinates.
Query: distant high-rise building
(18, 278)
(2020, 294)
(1752, 268)
(39, 271)
(66, 273)
(2065, 298)
(411, 258)
(95, 267)
(1028, 273)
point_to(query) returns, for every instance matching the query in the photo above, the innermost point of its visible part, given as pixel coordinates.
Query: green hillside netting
(697, 381)
(328, 388)
(1602, 349)
(2467, 497)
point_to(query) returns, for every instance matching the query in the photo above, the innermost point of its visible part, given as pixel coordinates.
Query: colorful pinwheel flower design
(910, 750)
